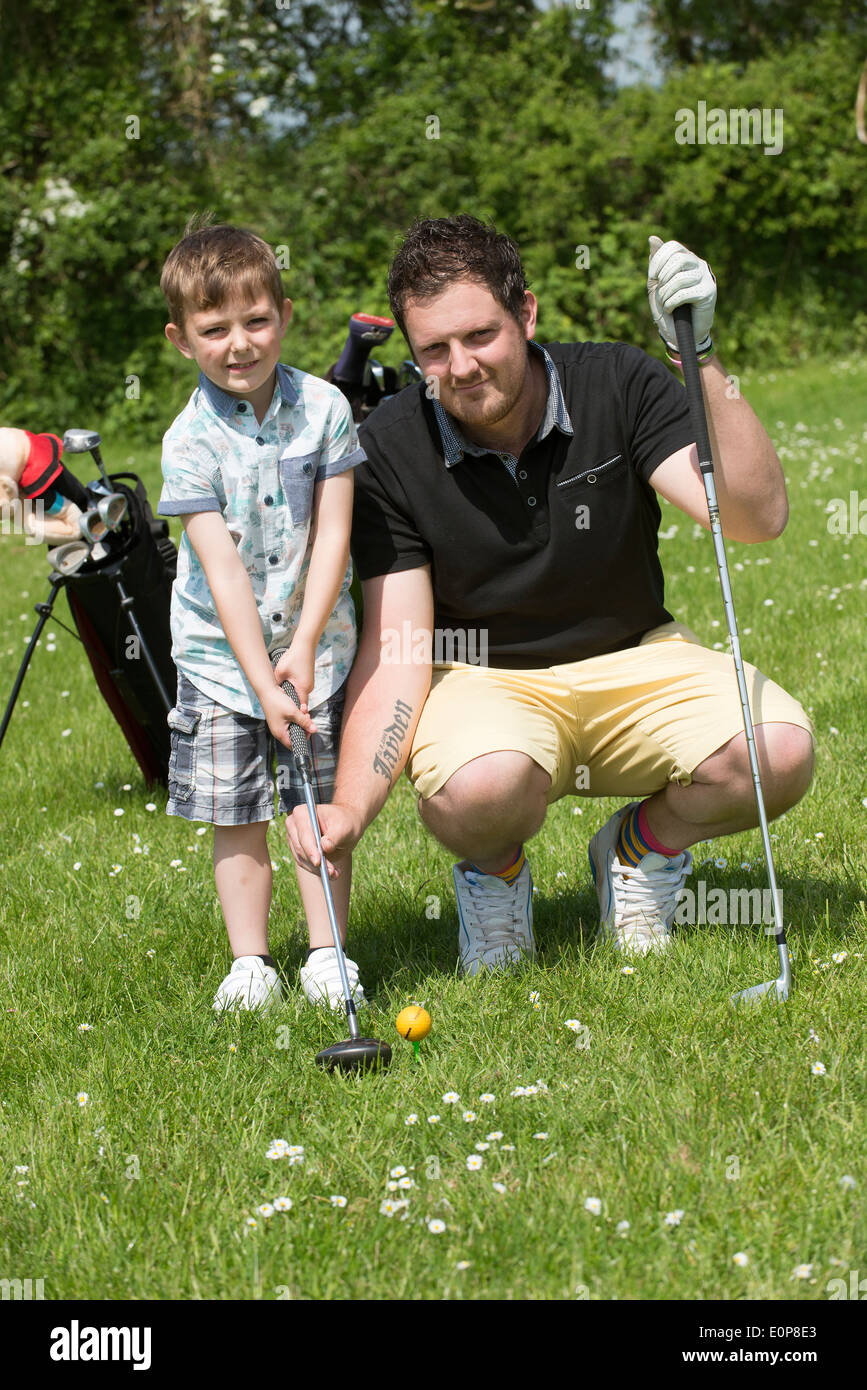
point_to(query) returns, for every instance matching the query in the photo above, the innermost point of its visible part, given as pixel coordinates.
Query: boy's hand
(280, 711)
(297, 664)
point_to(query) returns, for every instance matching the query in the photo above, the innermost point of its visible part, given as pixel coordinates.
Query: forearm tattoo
(388, 754)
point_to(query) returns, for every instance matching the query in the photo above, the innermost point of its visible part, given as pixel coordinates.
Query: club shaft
(692, 382)
(126, 604)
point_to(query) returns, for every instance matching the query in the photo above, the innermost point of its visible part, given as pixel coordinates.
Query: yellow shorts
(623, 724)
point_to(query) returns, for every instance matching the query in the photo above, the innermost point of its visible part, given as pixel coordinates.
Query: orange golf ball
(413, 1023)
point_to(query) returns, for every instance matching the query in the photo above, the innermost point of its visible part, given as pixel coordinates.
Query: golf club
(682, 315)
(68, 558)
(356, 1053)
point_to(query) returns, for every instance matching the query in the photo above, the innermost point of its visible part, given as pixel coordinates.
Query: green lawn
(669, 1103)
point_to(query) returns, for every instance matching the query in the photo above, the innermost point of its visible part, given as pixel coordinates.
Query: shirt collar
(224, 404)
(455, 445)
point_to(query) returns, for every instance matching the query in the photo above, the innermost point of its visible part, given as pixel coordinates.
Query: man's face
(236, 345)
(474, 348)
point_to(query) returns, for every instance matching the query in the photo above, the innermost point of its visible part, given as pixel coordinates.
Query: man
(511, 500)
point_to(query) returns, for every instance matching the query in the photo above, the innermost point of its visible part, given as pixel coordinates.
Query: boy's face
(236, 345)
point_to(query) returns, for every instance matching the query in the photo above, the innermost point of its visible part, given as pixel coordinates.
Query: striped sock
(511, 871)
(636, 838)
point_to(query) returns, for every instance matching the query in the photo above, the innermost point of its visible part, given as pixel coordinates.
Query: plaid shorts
(220, 769)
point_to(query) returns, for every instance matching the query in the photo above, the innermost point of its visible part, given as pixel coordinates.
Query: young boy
(258, 466)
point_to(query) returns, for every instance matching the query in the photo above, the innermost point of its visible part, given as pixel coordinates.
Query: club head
(113, 509)
(80, 441)
(356, 1054)
(376, 374)
(407, 373)
(69, 558)
(92, 525)
(777, 989)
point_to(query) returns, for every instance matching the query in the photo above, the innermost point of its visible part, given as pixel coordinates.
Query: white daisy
(474, 1162)
(336, 1200)
(451, 1098)
(411, 1119)
(436, 1227)
(487, 1098)
(283, 1203)
(593, 1205)
(802, 1272)
(673, 1218)
(741, 1259)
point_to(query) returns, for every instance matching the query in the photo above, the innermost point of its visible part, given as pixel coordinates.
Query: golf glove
(676, 276)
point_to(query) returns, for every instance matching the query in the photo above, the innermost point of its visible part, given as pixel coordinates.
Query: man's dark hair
(440, 250)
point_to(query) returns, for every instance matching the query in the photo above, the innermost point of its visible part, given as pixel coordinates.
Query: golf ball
(413, 1023)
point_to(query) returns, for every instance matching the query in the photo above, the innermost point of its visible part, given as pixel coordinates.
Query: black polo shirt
(558, 563)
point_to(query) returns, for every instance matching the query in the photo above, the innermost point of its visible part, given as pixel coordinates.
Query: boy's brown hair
(213, 264)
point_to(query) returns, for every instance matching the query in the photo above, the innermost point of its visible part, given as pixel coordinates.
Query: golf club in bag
(779, 988)
(364, 381)
(118, 580)
(356, 1053)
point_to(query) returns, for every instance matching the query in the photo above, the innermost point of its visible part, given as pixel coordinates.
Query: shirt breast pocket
(297, 477)
(610, 469)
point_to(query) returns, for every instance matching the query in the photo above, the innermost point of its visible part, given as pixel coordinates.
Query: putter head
(777, 989)
(80, 441)
(356, 1054)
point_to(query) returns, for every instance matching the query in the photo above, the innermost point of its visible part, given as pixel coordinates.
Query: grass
(668, 1102)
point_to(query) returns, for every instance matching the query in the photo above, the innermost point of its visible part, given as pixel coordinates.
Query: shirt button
(272, 559)
(276, 617)
(307, 467)
(523, 473)
(531, 501)
(259, 439)
(269, 501)
(242, 407)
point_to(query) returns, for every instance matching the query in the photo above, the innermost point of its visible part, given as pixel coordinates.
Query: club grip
(682, 316)
(297, 736)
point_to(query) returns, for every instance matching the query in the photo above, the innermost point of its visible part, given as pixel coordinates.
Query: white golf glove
(676, 276)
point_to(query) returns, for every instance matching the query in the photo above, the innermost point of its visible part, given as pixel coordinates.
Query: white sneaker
(496, 929)
(250, 984)
(636, 905)
(320, 979)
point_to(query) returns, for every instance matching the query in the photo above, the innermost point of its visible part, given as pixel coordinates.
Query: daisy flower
(252, 1223)
(85, 1027)
(573, 1023)
(406, 1183)
(507, 1148)
(336, 1200)
(534, 996)
(474, 1162)
(390, 1208)
(391, 1185)
(623, 1228)
(846, 1181)
(542, 1134)
(802, 1272)
(436, 1227)
(451, 1098)
(462, 1264)
(25, 1168)
(487, 1098)
(627, 970)
(433, 1119)
(673, 1218)
(411, 1119)
(82, 1098)
(499, 1187)
(839, 956)
(469, 1116)
(741, 1259)
(283, 1203)
(398, 1172)
(233, 1047)
(593, 1205)
(265, 1210)
(818, 1069)
(482, 1146)
(494, 1135)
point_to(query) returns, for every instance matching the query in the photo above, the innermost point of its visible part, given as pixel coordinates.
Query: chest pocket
(297, 475)
(607, 470)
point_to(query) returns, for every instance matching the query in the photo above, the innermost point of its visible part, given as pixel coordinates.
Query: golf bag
(364, 381)
(143, 558)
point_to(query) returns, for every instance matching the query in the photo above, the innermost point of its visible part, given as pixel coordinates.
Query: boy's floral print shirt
(217, 457)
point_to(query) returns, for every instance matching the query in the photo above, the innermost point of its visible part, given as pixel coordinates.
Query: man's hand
(340, 828)
(676, 276)
(280, 711)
